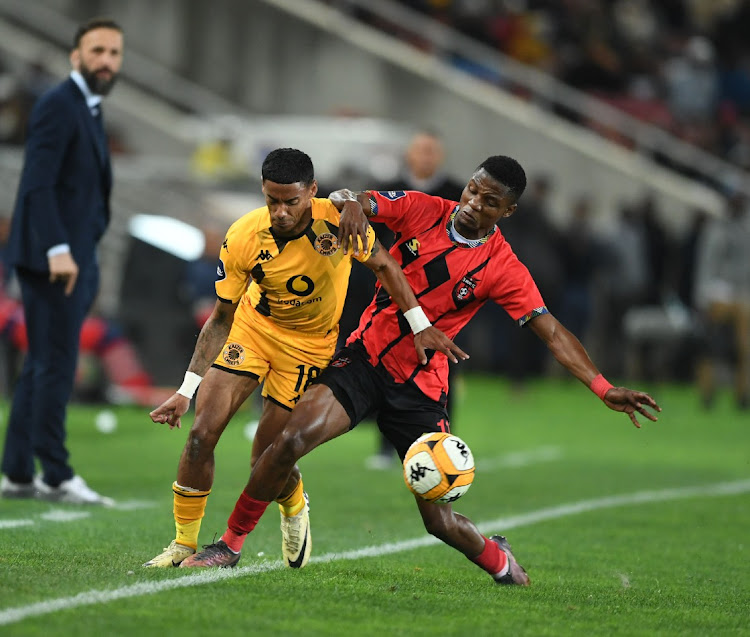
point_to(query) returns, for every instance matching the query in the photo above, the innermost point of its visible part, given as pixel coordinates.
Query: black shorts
(403, 412)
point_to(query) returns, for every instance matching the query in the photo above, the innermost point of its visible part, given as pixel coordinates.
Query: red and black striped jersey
(450, 280)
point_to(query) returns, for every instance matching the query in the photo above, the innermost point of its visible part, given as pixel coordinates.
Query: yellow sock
(189, 509)
(294, 502)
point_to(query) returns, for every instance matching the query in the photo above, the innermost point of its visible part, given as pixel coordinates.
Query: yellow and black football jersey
(299, 282)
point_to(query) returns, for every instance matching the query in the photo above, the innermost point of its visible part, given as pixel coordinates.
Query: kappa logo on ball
(326, 244)
(233, 354)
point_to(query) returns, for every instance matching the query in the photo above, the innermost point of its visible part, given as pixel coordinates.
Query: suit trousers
(36, 426)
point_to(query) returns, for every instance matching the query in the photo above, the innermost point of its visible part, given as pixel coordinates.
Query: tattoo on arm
(210, 341)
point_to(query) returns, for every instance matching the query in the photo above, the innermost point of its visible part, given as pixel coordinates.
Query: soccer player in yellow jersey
(281, 283)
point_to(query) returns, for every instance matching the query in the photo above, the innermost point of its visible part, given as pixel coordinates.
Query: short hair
(507, 171)
(94, 23)
(288, 166)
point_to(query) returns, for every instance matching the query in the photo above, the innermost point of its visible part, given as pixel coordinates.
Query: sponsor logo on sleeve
(221, 273)
(392, 194)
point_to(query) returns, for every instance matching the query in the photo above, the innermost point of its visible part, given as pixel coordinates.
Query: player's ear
(314, 188)
(509, 210)
(75, 59)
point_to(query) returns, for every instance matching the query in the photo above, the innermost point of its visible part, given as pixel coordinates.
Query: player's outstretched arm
(569, 352)
(393, 279)
(210, 341)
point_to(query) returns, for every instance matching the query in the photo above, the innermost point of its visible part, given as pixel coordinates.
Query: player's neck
(460, 237)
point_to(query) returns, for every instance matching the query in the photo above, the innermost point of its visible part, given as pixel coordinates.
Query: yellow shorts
(287, 360)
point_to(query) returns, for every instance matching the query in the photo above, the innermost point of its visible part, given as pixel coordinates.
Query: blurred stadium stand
(219, 84)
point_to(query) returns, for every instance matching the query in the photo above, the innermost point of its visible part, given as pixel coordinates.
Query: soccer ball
(439, 467)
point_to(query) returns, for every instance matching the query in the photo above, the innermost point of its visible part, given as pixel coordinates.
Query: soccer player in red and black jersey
(455, 259)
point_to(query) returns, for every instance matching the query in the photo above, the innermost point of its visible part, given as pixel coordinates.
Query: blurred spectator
(670, 62)
(423, 169)
(582, 255)
(537, 243)
(13, 109)
(692, 82)
(688, 257)
(200, 277)
(621, 284)
(722, 296)
(216, 160)
(658, 248)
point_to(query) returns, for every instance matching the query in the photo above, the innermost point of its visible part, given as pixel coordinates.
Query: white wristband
(418, 320)
(189, 385)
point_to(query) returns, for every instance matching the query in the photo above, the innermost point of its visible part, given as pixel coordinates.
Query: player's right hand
(432, 338)
(171, 410)
(353, 228)
(63, 268)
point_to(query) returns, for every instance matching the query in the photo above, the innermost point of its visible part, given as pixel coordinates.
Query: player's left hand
(432, 338)
(353, 228)
(630, 402)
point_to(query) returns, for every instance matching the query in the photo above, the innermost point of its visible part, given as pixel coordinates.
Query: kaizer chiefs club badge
(233, 354)
(326, 244)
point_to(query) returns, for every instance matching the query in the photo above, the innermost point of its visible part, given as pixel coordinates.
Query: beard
(97, 84)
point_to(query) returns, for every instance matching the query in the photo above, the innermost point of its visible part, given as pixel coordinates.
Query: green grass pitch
(623, 531)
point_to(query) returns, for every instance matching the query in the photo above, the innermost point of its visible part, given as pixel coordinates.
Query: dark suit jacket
(63, 195)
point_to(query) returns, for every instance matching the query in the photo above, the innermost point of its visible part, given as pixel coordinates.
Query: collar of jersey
(481, 241)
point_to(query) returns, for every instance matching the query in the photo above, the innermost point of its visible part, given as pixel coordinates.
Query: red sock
(245, 516)
(492, 559)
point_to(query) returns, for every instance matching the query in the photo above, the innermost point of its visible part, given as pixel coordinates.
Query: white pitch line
(72, 515)
(132, 505)
(88, 598)
(520, 458)
(13, 524)
(64, 515)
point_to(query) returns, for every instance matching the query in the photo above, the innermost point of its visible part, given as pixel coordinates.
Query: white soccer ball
(439, 467)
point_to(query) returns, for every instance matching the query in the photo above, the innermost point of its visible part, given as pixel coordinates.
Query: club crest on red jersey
(463, 291)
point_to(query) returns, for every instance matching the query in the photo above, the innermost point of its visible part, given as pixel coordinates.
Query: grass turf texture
(670, 567)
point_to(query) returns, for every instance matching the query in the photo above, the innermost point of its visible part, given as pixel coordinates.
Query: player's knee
(199, 443)
(290, 446)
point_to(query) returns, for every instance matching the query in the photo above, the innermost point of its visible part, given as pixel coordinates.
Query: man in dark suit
(61, 212)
